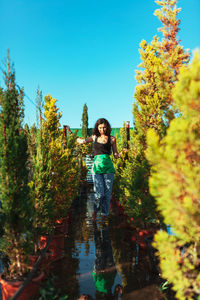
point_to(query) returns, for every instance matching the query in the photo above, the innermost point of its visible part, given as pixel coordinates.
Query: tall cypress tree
(161, 61)
(56, 174)
(153, 107)
(84, 130)
(16, 205)
(172, 53)
(42, 177)
(64, 164)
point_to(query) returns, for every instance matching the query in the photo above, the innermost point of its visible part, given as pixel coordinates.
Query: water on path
(104, 260)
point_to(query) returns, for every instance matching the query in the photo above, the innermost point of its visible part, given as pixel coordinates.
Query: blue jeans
(102, 190)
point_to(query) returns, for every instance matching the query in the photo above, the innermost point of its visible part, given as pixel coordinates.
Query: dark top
(99, 148)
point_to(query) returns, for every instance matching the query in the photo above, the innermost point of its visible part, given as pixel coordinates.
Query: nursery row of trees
(40, 174)
(157, 179)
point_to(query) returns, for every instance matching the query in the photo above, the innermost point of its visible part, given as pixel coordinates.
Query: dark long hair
(101, 121)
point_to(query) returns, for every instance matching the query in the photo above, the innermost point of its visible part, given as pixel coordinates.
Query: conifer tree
(175, 184)
(16, 205)
(52, 118)
(122, 140)
(150, 93)
(42, 176)
(64, 164)
(153, 107)
(55, 169)
(161, 61)
(84, 130)
(119, 164)
(172, 53)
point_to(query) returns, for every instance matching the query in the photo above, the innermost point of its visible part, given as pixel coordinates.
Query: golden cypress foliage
(153, 108)
(56, 174)
(157, 74)
(151, 92)
(65, 169)
(175, 183)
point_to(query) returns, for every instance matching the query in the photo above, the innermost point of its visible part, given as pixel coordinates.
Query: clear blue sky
(84, 51)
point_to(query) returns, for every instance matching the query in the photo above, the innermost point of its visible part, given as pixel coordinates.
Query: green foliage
(16, 204)
(122, 141)
(119, 164)
(84, 130)
(56, 173)
(161, 61)
(164, 286)
(153, 108)
(49, 291)
(42, 177)
(151, 92)
(175, 184)
(132, 172)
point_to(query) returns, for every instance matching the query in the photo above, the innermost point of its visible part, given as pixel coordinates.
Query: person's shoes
(94, 216)
(104, 219)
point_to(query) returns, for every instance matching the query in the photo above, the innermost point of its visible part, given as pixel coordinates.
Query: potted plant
(55, 176)
(65, 169)
(17, 207)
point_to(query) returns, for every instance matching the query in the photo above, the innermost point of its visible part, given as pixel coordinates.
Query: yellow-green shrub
(175, 183)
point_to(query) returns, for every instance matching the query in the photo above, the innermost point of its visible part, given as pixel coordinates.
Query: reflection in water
(104, 267)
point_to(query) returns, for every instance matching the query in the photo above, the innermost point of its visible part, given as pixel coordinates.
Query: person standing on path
(102, 170)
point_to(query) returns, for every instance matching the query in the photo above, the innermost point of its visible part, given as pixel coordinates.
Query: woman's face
(102, 128)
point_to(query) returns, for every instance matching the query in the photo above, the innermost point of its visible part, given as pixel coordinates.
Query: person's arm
(114, 147)
(86, 140)
(80, 140)
(68, 129)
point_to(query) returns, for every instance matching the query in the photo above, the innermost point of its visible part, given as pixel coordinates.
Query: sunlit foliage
(175, 183)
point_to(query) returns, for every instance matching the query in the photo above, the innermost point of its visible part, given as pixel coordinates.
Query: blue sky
(84, 51)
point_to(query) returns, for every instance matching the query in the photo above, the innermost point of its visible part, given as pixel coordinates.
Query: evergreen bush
(84, 129)
(153, 108)
(17, 210)
(175, 183)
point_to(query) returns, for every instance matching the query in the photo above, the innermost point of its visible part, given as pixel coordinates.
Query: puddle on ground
(104, 261)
